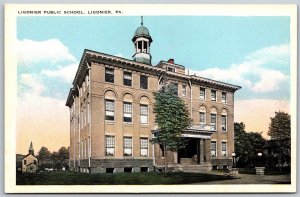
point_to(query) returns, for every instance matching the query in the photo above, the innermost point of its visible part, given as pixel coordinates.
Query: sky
(252, 52)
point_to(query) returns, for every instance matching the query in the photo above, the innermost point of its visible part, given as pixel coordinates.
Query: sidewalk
(253, 179)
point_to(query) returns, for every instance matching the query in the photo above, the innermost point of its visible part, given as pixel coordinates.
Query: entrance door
(191, 150)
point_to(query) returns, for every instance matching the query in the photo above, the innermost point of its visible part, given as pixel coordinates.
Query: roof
(161, 63)
(19, 157)
(89, 56)
(28, 155)
(31, 147)
(141, 31)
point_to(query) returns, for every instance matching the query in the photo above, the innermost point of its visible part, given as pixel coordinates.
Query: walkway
(254, 179)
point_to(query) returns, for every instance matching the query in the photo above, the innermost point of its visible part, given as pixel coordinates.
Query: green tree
(63, 156)
(43, 155)
(247, 145)
(172, 117)
(54, 159)
(280, 133)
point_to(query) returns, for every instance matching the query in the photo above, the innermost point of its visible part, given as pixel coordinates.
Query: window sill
(109, 156)
(109, 122)
(127, 157)
(128, 123)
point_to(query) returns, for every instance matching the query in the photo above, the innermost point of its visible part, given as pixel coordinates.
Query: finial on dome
(141, 20)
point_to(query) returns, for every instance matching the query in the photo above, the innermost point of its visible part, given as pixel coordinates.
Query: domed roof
(141, 30)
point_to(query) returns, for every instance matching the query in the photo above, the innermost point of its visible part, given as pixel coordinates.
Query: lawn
(138, 178)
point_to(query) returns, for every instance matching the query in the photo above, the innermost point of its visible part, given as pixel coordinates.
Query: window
(144, 147)
(171, 69)
(213, 95)
(127, 146)
(88, 110)
(143, 82)
(202, 93)
(162, 150)
(184, 90)
(109, 75)
(224, 149)
(144, 114)
(109, 110)
(84, 148)
(81, 149)
(175, 86)
(127, 79)
(213, 149)
(144, 169)
(202, 117)
(24, 161)
(213, 121)
(128, 169)
(110, 170)
(224, 122)
(224, 100)
(110, 145)
(127, 116)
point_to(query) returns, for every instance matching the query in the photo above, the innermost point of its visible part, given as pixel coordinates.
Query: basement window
(110, 170)
(144, 169)
(127, 169)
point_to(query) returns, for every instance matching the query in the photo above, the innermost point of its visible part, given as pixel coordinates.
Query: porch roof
(194, 131)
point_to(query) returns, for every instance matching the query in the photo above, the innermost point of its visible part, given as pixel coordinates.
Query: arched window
(213, 119)
(202, 115)
(224, 120)
(127, 108)
(110, 98)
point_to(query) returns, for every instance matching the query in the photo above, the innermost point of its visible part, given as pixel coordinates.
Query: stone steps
(204, 168)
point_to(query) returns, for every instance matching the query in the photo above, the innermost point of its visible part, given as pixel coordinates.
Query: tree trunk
(165, 160)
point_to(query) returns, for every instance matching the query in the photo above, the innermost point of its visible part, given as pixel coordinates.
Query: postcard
(164, 98)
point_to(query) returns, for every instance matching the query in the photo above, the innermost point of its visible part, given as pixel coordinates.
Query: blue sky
(199, 43)
(252, 52)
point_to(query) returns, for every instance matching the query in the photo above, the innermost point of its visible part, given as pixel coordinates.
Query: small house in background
(30, 162)
(19, 159)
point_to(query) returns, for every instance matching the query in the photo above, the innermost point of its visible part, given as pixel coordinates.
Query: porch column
(201, 151)
(175, 157)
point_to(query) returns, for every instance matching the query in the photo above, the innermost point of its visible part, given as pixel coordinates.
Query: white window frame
(110, 146)
(204, 122)
(126, 147)
(225, 151)
(144, 115)
(127, 114)
(204, 95)
(216, 149)
(109, 72)
(109, 111)
(143, 147)
(127, 76)
(224, 101)
(184, 90)
(214, 99)
(213, 124)
(222, 125)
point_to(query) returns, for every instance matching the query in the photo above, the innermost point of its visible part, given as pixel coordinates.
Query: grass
(138, 178)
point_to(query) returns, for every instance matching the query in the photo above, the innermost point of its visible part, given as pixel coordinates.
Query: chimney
(171, 61)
